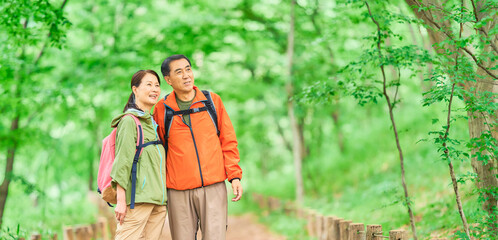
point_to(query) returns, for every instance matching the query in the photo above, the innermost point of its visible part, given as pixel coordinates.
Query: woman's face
(147, 93)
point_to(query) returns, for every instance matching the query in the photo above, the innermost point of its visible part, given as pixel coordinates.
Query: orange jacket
(196, 156)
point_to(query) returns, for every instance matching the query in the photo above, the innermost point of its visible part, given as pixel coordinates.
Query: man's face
(181, 77)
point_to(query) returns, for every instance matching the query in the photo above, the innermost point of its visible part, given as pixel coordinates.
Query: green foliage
(486, 147)
(482, 230)
(29, 22)
(454, 77)
(12, 234)
(319, 93)
(363, 84)
(67, 97)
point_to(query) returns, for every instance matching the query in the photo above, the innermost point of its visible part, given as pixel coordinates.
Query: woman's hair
(136, 80)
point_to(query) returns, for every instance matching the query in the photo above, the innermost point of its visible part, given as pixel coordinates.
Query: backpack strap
(211, 109)
(139, 149)
(190, 111)
(168, 116)
(138, 152)
(169, 113)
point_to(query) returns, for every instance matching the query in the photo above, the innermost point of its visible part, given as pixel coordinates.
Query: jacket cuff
(233, 179)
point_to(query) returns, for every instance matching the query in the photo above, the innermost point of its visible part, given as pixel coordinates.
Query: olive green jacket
(151, 172)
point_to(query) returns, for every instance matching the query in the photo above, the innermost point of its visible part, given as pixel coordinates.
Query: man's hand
(237, 190)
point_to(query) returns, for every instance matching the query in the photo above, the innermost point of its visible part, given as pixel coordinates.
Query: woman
(147, 217)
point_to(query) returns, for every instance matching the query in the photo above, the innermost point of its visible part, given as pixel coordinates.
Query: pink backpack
(107, 159)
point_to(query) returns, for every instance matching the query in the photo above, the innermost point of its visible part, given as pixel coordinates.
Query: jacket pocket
(142, 172)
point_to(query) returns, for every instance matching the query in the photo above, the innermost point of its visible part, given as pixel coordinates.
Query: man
(199, 160)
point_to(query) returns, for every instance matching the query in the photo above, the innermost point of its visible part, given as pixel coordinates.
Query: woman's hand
(120, 209)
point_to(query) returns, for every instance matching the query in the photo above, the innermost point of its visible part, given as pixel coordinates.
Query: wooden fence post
(357, 231)
(397, 235)
(310, 215)
(318, 225)
(328, 225)
(302, 214)
(330, 228)
(89, 232)
(81, 233)
(336, 235)
(290, 209)
(374, 232)
(265, 203)
(36, 237)
(68, 233)
(344, 229)
(299, 213)
(260, 200)
(95, 230)
(54, 237)
(273, 203)
(102, 228)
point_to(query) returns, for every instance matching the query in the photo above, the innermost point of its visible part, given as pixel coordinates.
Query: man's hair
(165, 68)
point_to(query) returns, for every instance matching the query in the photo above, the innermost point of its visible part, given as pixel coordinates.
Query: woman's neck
(144, 107)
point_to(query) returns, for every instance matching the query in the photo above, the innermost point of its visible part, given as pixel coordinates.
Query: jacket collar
(171, 99)
(137, 113)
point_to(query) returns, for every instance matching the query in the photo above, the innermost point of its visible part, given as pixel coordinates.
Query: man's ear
(166, 78)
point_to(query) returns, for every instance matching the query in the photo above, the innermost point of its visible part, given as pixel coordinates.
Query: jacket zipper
(154, 125)
(195, 144)
(196, 152)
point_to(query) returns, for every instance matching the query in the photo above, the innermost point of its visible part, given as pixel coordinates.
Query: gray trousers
(206, 206)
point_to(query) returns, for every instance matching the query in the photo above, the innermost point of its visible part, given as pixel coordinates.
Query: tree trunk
(482, 122)
(337, 125)
(297, 149)
(335, 114)
(479, 122)
(4, 188)
(91, 160)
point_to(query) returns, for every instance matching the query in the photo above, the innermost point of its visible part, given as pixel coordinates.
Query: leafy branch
(423, 10)
(444, 139)
(391, 115)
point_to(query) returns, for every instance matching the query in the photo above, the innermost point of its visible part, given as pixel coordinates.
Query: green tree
(29, 27)
(478, 43)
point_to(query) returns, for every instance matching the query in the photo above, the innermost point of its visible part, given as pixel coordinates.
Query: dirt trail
(243, 227)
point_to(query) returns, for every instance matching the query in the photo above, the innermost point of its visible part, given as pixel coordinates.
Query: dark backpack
(170, 113)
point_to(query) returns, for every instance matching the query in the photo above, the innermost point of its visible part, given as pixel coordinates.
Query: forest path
(244, 227)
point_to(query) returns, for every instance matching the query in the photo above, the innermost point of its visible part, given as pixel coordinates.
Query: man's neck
(185, 96)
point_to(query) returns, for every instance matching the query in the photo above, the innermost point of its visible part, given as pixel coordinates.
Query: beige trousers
(205, 205)
(145, 221)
